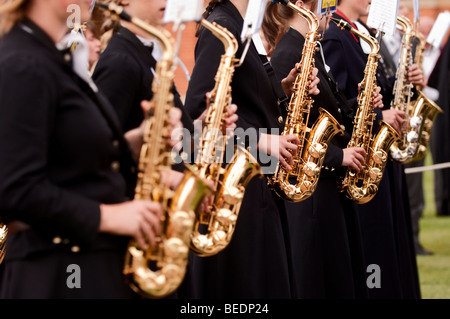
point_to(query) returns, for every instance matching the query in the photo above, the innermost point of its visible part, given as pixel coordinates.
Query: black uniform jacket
(60, 146)
(124, 73)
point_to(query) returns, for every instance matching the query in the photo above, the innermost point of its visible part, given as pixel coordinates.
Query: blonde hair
(11, 11)
(275, 22)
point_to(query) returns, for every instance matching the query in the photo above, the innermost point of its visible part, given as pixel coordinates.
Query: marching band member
(256, 263)
(66, 167)
(325, 234)
(385, 220)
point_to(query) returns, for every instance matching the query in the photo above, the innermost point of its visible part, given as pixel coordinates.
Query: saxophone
(423, 102)
(3, 237)
(159, 270)
(301, 181)
(362, 186)
(213, 230)
(419, 113)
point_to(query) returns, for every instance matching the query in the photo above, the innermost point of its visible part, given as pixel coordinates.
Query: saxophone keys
(305, 186)
(415, 121)
(412, 137)
(233, 195)
(181, 221)
(311, 169)
(170, 272)
(174, 248)
(375, 173)
(379, 157)
(201, 241)
(219, 236)
(317, 150)
(226, 216)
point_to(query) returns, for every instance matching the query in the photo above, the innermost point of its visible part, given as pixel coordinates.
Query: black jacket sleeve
(26, 191)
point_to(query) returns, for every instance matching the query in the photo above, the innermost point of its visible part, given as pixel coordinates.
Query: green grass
(434, 270)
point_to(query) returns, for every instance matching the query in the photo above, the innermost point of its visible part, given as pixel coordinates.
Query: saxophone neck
(226, 37)
(405, 25)
(313, 22)
(372, 41)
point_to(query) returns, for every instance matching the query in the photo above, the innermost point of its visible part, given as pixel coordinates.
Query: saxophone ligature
(159, 270)
(300, 182)
(214, 228)
(3, 237)
(362, 186)
(419, 113)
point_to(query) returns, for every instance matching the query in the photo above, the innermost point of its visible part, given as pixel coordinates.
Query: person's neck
(349, 12)
(241, 5)
(136, 30)
(300, 24)
(50, 23)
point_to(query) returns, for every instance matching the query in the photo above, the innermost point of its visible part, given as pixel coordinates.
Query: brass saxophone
(417, 112)
(213, 229)
(3, 237)
(301, 181)
(159, 270)
(423, 102)
(362, 186)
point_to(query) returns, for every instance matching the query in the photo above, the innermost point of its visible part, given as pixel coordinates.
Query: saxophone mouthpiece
(115, 10)
(342, 24)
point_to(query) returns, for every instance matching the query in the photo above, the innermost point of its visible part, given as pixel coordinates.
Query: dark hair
(209, 8)
(275, 20)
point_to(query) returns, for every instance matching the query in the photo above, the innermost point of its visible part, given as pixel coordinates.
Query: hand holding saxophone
(229, 121)
(283, 147)
(136, 135)
(416, 76)
(288, 82)
(354, 158)
(377, 97)
(139, 219)
(394, 118)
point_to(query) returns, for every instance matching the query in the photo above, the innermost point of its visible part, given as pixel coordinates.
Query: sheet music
(383, 15)
(416, 8)
(324, 6)
(439, 29)
(253, 18)
(179, 11)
